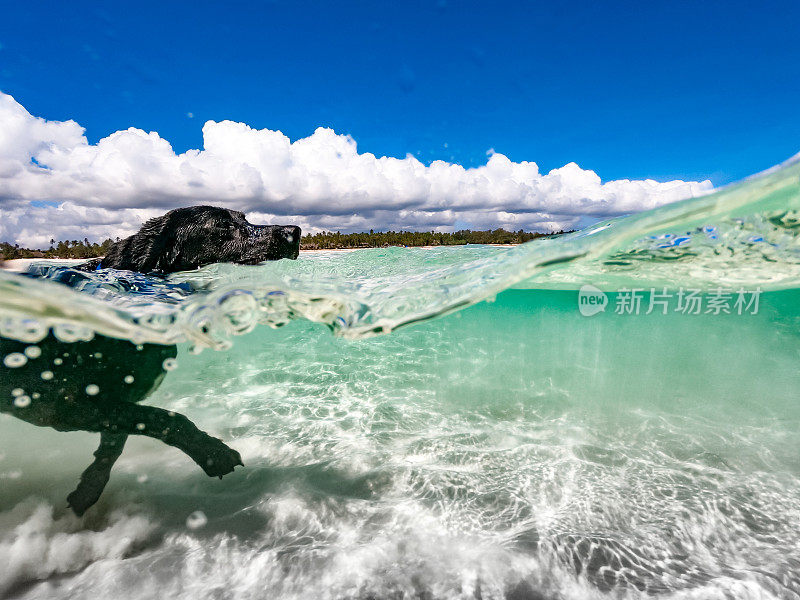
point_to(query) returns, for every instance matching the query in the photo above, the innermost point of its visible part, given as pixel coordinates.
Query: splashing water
(512, 448)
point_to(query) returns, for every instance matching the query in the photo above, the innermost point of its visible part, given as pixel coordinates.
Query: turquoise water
(442, 423)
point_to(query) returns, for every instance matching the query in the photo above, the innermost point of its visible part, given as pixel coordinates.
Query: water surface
(442, 423)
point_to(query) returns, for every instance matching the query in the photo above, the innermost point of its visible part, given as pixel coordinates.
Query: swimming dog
(95, 385)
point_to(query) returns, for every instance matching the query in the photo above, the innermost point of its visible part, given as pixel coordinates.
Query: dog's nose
(291, 233)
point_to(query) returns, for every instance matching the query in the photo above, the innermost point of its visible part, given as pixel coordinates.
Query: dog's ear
(149, 250)
(153, 248)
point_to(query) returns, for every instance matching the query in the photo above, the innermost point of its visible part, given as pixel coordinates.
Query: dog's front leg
(213, 456)
(94, 478)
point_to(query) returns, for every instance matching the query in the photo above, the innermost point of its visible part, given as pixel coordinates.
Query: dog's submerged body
(95, 385)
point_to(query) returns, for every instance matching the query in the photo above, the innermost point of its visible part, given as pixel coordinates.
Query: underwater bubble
(36, 395)
(58, 361)
(196, 520)
(23, 329)
(33, 352)
(170, 364)
(14, 360)
(92, 389)
(46, 375)
(239, 312)
(139, 347)
(128, 379)
(68, 333)
(98, 355)
(22, 401)
(140, 426)
(17, 392)
(141, 478)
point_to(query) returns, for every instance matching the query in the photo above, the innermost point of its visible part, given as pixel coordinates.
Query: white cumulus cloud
(54, 184)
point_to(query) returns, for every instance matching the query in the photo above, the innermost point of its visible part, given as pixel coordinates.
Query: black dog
(188, 238)
(95, 385)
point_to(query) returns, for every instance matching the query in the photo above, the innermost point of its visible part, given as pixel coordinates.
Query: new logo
(591, 300)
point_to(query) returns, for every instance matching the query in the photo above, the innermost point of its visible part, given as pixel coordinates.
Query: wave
(745, 234)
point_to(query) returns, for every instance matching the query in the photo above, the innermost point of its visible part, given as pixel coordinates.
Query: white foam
(36, 543)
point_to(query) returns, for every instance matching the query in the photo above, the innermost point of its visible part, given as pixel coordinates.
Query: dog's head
(188, 238)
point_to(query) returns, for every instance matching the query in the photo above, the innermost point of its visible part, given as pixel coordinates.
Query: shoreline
(18, 265)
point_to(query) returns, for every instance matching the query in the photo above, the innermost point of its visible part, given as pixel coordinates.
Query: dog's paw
(82, 499)
(219, 459)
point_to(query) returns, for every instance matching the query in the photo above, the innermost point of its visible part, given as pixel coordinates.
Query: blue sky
(628, 89)
(678, 92)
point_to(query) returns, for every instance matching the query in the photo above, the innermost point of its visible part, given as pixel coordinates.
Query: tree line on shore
(378, 239)
(62, 249)
(326, 240)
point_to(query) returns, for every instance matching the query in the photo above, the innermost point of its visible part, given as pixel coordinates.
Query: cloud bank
(54, 184)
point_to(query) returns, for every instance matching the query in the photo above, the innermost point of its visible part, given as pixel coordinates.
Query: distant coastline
(77, 249)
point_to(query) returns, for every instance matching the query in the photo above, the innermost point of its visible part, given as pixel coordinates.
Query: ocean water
(467, 422)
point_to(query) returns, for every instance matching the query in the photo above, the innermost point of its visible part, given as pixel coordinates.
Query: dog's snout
(291, 233)
(272, 242)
